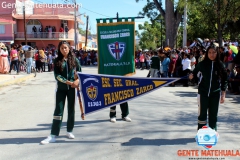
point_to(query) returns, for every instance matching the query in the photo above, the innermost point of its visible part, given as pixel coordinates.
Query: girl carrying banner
(212, 87)
(65, 66)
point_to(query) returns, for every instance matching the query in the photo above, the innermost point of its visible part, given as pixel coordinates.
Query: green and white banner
(116, 48)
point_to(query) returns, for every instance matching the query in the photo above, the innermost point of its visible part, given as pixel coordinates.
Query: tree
(172, 16)
(233, 29)
(150, 36)
(83, 32)
(217, 13)
(197, 26)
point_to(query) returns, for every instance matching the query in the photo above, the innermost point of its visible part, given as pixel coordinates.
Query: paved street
(163, 122)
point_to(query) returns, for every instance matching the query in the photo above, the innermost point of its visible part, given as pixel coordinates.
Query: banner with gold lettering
(102, 91)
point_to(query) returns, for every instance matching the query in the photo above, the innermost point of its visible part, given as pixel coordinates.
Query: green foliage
(83, 32)
(171, 16)
(150, 37)
(233, 29)
(197, 26)
(208, 17)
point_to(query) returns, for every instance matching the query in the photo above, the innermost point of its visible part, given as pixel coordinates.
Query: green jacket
(209, 81)
(155, 64)
(65, 75)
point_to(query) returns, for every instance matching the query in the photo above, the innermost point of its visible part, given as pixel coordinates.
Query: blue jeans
(29, 64)
(165, 73)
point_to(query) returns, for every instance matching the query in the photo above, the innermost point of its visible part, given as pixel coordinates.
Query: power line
(96, 12)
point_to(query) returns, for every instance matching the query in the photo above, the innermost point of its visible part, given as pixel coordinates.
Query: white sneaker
(70, 135)
(49, 139)
(127, 119)
(113, 120)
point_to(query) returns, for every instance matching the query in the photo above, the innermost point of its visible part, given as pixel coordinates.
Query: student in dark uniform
(65, 66)
(125, 112)
(212, 87)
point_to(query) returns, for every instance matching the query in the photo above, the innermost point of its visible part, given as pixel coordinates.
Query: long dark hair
(70, 58)
(217, 62)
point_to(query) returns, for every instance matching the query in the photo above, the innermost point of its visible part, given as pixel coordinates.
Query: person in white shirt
(193, 61)
(186, 65)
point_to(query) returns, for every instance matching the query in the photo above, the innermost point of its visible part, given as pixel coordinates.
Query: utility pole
(117, 17)
(185, 25)
(75, 23)
(24, 18)
(86, 33)
(161, 34)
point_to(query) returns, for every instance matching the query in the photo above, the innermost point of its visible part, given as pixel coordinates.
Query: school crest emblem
(92, 92)
(117, 49)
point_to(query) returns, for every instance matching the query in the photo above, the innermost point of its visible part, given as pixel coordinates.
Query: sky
(106, 9)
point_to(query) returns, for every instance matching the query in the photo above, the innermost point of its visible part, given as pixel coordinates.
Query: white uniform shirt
(186, 64)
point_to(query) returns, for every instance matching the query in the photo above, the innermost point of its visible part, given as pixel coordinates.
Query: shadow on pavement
(235, 99)
(37, 140)
(64, 124)
(184, 94)
(158, 142)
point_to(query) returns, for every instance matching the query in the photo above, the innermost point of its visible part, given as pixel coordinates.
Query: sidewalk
(9, 79)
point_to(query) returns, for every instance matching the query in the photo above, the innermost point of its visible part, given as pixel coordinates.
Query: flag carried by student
(103, 91)
(116, 47)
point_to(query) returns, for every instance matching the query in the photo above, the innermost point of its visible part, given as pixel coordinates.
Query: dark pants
(44, 66)
(15, 63)
(59, 110)
(38, 65)
(49, 67)
(146, 64)
(208, 105)
(41, 64)
(185, 80)
(235, 86)
(124, 109)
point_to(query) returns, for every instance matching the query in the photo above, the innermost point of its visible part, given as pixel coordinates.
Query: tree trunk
(172, 20)
(219, 26)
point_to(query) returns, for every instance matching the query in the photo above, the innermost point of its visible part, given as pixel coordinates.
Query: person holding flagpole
(65, 67)
(125, 112)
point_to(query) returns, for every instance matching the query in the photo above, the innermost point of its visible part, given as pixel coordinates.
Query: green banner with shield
(116, 48)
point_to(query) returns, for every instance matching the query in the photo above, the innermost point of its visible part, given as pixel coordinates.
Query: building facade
(46, 25)
(6, 23)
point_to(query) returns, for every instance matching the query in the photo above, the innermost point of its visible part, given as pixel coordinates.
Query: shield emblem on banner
(117, 49)
(92, 92)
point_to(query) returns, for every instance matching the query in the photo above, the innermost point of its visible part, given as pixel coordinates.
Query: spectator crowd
(12, 57)
(180, 62)
(163, 62)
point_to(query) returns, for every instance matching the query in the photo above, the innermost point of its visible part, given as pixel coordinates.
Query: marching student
(212, 87)
(65, 66)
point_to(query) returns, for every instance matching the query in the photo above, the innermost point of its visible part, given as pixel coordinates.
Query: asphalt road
(163, 122)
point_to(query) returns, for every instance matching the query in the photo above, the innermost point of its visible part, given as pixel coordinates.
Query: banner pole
(80, 103)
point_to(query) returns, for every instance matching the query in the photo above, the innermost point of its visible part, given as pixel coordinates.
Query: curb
(17, 80)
